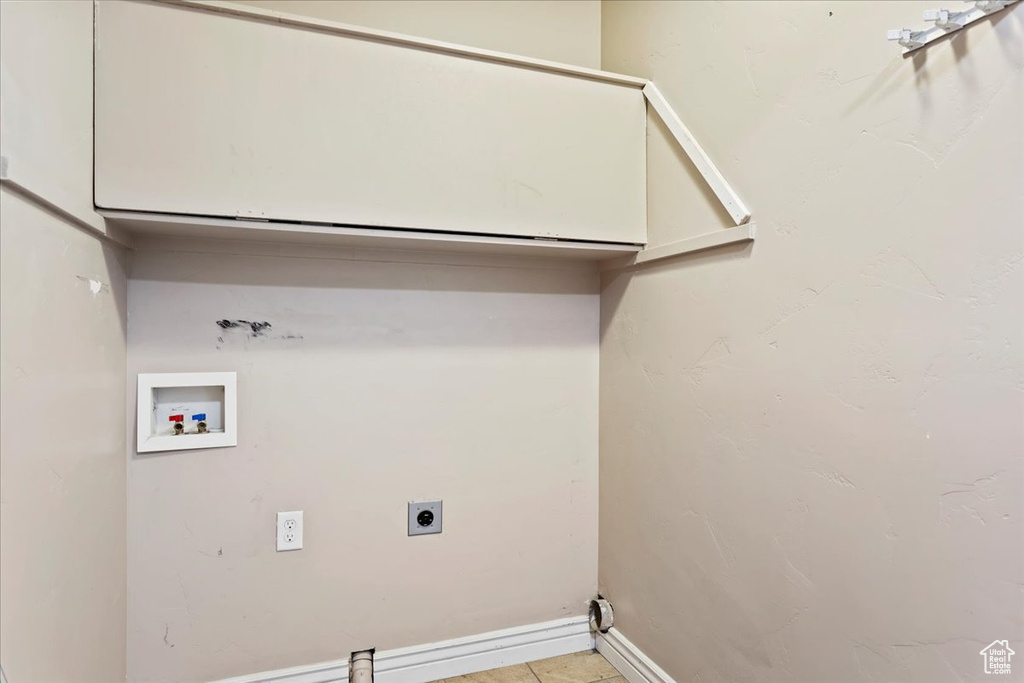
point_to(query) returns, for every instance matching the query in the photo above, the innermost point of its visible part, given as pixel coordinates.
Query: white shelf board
(406, 41)
(741, 233)
(195, 227)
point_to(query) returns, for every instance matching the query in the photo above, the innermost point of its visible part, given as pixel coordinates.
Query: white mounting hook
(946, 20)
(906, 37)
(989, 6)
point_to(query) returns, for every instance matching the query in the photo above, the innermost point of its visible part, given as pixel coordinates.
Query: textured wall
(469, 379)
(559, 30)
(811, 448)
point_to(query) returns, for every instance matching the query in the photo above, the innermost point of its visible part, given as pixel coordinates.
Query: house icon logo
(997, 657)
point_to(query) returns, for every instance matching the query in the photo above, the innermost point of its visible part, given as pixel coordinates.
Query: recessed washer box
(180, 411)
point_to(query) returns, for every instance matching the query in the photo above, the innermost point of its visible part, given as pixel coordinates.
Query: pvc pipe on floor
(361, 670)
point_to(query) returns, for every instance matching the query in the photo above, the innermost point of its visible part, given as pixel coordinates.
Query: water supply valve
(179, 423)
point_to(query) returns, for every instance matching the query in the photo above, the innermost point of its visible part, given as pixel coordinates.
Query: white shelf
(374, 134)
(195, 227)
(741, 233)
(407, 41)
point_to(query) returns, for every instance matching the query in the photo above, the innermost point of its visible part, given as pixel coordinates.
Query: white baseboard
(449, 658)
(628, 660)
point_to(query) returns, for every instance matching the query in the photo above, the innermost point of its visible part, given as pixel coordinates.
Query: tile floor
(579, 667)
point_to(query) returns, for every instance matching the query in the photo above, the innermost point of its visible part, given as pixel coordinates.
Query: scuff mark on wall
(716, 351)
(251, 330)
(750, 69)
(95, 286)
(256, 329)
(899, 271)
(834, 477)
(788, 310)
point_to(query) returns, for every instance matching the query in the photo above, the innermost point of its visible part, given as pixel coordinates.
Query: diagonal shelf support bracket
(712, 176)
(745, 230)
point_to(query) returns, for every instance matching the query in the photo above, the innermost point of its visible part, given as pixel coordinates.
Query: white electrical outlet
(289, 530)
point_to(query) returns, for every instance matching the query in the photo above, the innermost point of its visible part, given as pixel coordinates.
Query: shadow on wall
(960, 43)
(112, 280)
(226, 263)
(116, 259)
(887, 82)
(215, 306)
(615, 283)
(960, 40)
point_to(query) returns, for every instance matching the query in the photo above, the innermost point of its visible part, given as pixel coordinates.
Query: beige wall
(62, 475)
(62, 366)
(811, 448)
(473, 380)
(558, 30)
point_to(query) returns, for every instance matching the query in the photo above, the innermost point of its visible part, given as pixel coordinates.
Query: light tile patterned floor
(580, 667)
